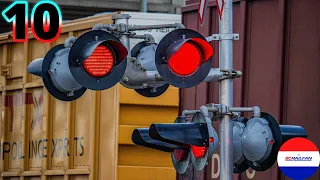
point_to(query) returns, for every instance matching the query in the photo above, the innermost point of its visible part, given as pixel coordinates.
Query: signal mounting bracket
(218, 37)
(230, 74)
(217, 111)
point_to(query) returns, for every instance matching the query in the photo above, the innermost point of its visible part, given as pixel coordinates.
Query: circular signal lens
(179, 154)
(100, 62)
(185, 61)
(198, 152)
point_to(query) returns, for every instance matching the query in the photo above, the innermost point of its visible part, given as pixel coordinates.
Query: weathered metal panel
(278, 53)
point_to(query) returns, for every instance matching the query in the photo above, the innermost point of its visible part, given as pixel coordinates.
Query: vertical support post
(143, 5)
(123, 21)
(226, 93)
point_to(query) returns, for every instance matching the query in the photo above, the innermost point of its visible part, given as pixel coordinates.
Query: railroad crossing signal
(257, 141)
(184, 58)
(262, 138)
(96, 60)
(195, 140)
(99, 59)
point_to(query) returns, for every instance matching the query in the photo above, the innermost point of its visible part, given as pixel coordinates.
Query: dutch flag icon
(298, 158)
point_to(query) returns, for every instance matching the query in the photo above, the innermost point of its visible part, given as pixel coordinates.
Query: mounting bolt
(138, 63)
(153, 90)
(69, 94)
(125, 79)
(158, 76)
(239, 73)
(132, 60)
(96, 38)
(145, 85)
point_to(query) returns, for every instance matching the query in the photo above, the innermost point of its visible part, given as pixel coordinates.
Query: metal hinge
(5, 70)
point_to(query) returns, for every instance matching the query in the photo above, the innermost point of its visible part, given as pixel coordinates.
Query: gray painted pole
(143, 5)
(226, 93)
(123, 18)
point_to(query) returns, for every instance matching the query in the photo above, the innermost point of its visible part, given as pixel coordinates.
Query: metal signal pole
(226, 90)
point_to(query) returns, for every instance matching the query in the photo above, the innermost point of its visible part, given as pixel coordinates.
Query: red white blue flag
(298, 158)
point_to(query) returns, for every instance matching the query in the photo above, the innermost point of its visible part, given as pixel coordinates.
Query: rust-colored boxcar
(278, 53)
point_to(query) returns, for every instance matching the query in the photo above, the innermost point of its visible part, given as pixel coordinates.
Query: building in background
(74, 9)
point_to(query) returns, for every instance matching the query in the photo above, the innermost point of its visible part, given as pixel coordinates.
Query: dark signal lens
(179, 154)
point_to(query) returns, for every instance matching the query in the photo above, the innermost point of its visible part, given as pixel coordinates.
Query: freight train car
(90, 138)
(278, 53)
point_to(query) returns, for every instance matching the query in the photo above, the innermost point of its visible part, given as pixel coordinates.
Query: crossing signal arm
(98, 59)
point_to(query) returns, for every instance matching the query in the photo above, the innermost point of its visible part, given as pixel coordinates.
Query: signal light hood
(182, 134)
(141, 137)
(204, 47)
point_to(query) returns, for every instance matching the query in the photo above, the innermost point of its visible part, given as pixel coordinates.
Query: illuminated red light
(185, 61)
(179, 154)
(100, 62)
(211, 140)
(199, 152)
(271, 142)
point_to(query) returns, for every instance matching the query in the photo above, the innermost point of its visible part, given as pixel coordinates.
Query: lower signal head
(239, 161)
(180, 154)
(201, 154)
(180, 157)
(262, 139)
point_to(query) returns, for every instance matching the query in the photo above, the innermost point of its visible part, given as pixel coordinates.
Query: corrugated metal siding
(278, 53)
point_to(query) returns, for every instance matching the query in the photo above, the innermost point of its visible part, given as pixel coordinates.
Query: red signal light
(183, 58)
(100, 62)
(186, 60)
(198, 152)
